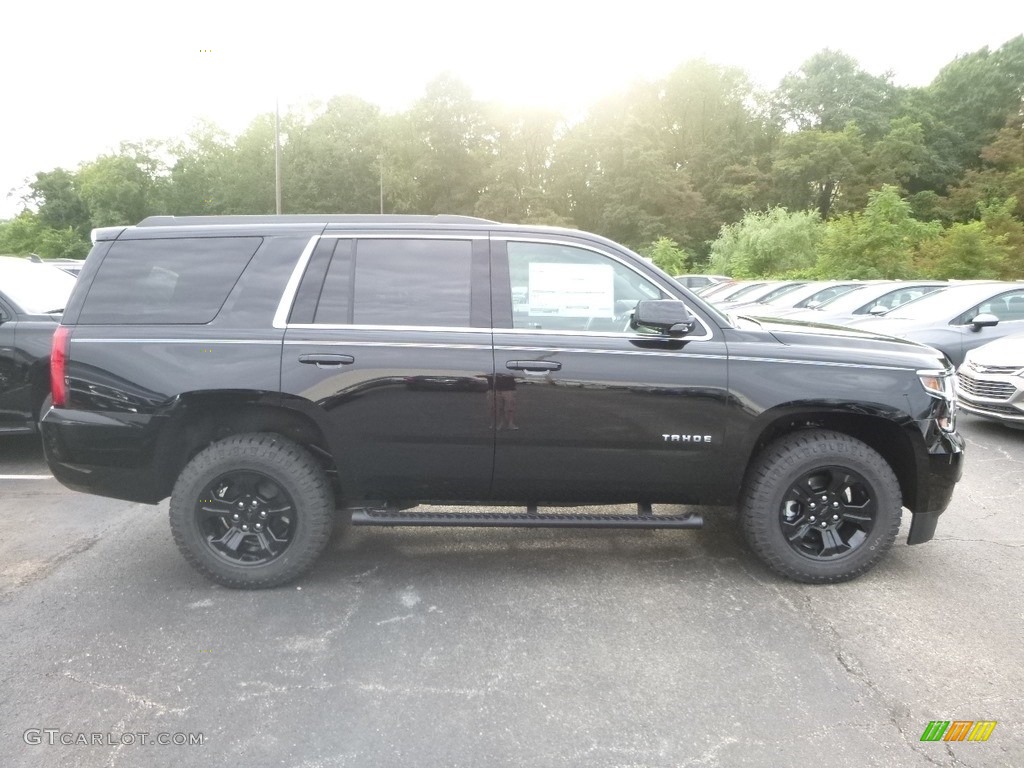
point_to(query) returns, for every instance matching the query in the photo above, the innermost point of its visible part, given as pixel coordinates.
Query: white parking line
(26, 477)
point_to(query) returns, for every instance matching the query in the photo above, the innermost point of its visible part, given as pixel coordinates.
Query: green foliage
(21, 235)
(844, 168)
(975, 93)
(966, 251)
(1000, 221)
(770, 243)
(882, 242)
(813, 168)
(58, 198)
(830, 91)
(27, 233)
(668, 256)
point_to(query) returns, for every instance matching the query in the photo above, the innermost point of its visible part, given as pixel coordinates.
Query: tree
(668, 256)
(58, 200)
(125, 187)
(976, 93)
(830, 91)
(1000, 177)
(880, 243)
(614, 176)
(967, 252)
(521, 145)
(199, 175)
(333, 164)
(26, 234)
(768, 243)
(813, 168)
(449, 161)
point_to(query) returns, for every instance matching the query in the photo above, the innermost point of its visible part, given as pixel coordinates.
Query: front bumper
(992, 395)
(945, 466)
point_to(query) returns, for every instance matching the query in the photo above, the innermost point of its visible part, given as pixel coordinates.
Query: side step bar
(364, 516)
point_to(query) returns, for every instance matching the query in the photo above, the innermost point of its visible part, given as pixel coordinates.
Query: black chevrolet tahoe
(270, 373)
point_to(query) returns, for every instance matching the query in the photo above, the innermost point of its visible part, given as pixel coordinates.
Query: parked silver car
(874, 298)
(990, 383)
(957, 319)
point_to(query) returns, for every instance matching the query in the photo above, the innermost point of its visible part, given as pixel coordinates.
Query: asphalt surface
(484, 647)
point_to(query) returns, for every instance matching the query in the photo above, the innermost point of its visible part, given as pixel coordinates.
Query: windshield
(798, 294)
(36, 289)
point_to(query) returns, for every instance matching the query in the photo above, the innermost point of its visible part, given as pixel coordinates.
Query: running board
(522, 519)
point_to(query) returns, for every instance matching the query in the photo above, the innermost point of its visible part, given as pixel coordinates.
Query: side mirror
(878, 309)
(667, 316)
(984, 320)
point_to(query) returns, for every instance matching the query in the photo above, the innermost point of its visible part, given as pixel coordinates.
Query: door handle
(533, 365)
(321, 361)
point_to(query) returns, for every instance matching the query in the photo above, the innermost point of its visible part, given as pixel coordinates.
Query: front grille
(1005, 370)
(992, 390)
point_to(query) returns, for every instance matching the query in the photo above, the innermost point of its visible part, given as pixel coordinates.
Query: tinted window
(179, 280)
(398, 282)
(560, 287)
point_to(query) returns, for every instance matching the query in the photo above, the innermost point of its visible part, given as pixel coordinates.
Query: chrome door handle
(321, 361)
(533, 365)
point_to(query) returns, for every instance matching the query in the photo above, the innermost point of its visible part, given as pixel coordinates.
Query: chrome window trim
(284, 306)
(291, 288)
(158, 340)
(424, 328)
(402, 344)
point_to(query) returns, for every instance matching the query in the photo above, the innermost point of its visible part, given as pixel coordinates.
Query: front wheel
(820, 506)
(252, 511)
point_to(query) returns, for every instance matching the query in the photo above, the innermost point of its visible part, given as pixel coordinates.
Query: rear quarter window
(166, 281)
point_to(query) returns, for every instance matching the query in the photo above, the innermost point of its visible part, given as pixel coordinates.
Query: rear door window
(398, 282)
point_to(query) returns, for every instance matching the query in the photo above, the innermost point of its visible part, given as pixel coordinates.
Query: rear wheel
(252, 511)
(820, 506)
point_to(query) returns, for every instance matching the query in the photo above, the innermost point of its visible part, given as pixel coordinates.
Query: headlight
(938, 383)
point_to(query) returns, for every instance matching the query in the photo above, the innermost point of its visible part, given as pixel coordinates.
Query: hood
(1001, 353)
(849, 345)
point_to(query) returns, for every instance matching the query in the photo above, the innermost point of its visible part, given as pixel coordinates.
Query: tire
(252, 511)
(801, 475)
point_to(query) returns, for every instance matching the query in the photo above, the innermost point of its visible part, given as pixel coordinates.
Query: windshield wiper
(53, 311)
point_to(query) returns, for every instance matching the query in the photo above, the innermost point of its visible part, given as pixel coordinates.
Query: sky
(80, 77)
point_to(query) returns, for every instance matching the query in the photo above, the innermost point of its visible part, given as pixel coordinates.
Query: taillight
(58, 366)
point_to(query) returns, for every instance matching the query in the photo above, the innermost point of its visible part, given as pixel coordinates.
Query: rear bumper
(110, 455)
(945, 467)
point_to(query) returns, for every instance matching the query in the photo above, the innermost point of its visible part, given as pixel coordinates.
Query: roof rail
(312, 218)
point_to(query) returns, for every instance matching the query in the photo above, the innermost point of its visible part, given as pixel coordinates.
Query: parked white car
(990, 382)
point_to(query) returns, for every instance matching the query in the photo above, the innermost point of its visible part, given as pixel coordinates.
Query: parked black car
(32, 296)
(266, 371)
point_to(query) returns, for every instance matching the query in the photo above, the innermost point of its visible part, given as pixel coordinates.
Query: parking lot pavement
(443, 647)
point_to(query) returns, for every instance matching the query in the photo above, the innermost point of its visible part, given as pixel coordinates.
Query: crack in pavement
(853, 668)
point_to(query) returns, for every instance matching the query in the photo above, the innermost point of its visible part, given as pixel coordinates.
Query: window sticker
(572, 290)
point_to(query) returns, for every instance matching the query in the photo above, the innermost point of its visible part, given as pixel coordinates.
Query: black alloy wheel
(246, 517)
(828, 513)
(252, 511)
(820, 506)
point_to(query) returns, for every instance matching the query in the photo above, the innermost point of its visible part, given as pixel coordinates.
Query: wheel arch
(892, 434)
(197, 419)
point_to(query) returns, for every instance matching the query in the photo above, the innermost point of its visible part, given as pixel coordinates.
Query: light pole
(277, 156)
